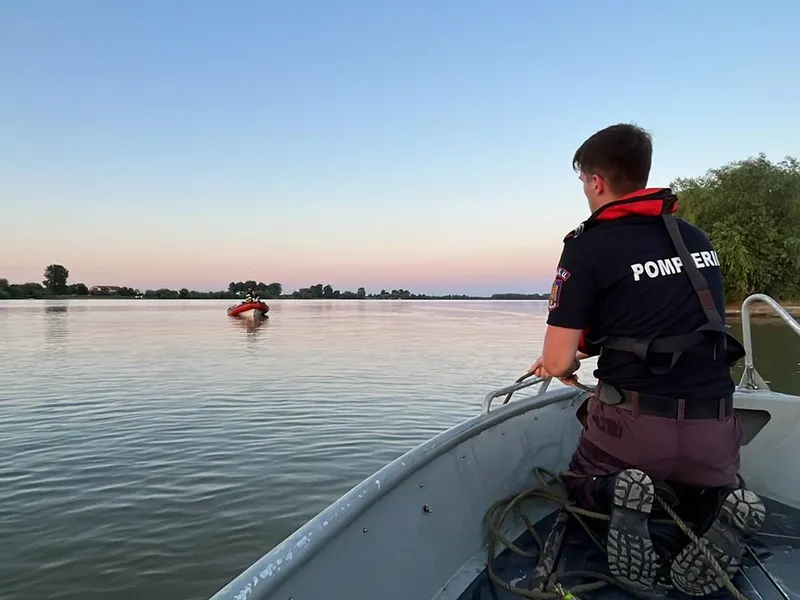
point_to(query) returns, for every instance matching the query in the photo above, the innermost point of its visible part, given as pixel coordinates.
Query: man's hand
(537, 368)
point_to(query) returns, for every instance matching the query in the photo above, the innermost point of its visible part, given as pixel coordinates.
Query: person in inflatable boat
(643, 291)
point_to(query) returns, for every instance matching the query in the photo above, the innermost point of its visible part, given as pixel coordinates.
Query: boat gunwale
(274, 567)
(299, 548)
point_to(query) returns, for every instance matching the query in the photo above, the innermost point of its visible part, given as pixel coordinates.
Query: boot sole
(742, 513)
(631, 556)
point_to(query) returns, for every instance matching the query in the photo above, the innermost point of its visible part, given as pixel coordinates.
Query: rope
(572, 381)
(701, 543)
(552, 589)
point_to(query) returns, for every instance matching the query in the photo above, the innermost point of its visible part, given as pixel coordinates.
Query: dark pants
(687, 453)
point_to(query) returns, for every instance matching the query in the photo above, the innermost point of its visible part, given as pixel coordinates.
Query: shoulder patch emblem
(555, 291)
(555, 294)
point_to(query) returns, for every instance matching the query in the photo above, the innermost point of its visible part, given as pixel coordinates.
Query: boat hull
(250, 310)
(424, 512)
(455, 475)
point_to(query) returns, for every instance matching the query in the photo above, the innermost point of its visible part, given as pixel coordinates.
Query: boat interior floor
(770, 569)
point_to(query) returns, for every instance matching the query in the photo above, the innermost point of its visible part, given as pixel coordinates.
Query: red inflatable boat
(249, 309)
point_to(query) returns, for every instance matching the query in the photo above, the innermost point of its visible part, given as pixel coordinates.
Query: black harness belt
(662, 406)
(710, 340)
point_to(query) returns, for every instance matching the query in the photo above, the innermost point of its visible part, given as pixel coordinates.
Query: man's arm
(571, 299)
(560, 351)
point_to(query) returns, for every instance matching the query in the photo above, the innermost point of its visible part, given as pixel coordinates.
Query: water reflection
(55, 326)
(251, 326)
(55, 309)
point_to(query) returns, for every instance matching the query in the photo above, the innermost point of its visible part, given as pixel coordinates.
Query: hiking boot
(631, 555)
(741, 513)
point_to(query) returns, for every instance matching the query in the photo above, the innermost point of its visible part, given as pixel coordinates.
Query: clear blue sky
(420, 144)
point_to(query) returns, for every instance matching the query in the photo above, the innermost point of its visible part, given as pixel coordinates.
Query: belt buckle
(680, 410)
(608, 394)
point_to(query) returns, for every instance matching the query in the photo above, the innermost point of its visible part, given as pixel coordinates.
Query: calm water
(155, 449)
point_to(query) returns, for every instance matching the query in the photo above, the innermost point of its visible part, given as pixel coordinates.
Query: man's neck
(602, 203)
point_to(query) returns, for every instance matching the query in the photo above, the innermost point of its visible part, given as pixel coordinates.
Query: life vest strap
(699, 282)
(709, 340)
(705, 341)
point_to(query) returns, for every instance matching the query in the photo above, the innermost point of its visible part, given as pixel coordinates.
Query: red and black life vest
(710, 339)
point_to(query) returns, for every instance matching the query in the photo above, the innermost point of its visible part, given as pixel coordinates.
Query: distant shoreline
(504, 297)
(56, 287)
(761, 310)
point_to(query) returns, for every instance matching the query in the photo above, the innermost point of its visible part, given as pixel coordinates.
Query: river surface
(154, 449)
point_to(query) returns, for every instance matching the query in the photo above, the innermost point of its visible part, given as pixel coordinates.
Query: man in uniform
(644, 290)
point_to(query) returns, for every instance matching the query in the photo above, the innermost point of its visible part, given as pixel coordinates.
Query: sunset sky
(417, 144)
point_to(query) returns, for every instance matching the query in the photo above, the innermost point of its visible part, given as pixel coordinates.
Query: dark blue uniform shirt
(623, 277)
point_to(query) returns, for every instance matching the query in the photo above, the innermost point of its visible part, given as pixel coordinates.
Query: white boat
(416, 529)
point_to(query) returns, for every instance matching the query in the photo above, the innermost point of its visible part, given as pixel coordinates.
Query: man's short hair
(620, 154)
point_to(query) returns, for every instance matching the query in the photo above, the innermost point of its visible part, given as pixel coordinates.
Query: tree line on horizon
(56, 278)
(749, 208)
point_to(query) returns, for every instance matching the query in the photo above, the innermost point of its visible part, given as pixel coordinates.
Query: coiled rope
(547, 587)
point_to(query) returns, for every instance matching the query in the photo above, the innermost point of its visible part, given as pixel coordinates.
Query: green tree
(55, 278)
(750, 210)
(161, 294)
(28, 290)
(183, 294)
(361, 293)
(78, 289)
(272, 290)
